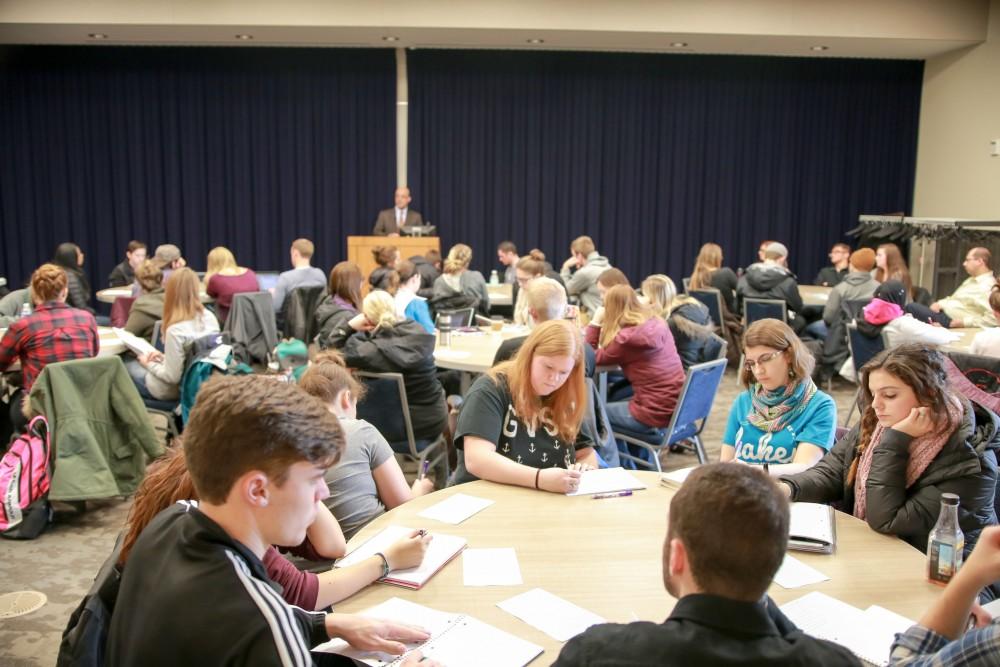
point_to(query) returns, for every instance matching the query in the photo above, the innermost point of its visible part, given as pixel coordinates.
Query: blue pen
(424, 469)
(601, 496)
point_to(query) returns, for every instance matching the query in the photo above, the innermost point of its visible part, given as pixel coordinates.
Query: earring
(791, 373)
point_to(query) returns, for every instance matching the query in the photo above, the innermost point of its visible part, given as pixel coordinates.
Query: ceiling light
(535, 40)
(390, 38)
(97, 35)
(819, 47)
(244, 36)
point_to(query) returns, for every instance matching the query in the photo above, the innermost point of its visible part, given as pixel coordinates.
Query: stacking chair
(863, 349)
(762, 309)
(712, 298)
(386, 408)
(693, 408)
(252, 328)
(120, 310)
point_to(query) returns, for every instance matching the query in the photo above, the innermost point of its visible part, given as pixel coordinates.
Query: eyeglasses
(750, 364)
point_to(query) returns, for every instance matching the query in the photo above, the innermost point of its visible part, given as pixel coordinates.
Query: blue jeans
(138, 375)
(622, 420)
(818, 330)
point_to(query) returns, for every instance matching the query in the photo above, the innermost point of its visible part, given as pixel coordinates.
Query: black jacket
(725, 280)
(330, 323)
(692, 329)
(428, 274)
(121, 276)
(770, 281)
(405, 348)
(379, 278)
(830, 276)
(705, 630)
(192, 595)
(967, 466)
(79, 290)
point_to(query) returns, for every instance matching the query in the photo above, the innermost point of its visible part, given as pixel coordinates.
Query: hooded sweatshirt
(583, 283)
(408, 349)
(649, 360)
(856, 285)
(765, 280)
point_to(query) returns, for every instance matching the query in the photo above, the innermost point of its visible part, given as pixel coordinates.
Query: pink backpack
(25, 477)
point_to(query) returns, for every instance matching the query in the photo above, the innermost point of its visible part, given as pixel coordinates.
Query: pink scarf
(922, 451)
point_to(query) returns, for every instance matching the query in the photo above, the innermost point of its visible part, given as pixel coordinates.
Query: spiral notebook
(441, 550)
(456, 639)
(812, 528)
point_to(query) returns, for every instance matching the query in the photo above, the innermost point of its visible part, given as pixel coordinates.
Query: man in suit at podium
(392, 220)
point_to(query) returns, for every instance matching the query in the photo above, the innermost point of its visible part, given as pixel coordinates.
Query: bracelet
(385, 564)
(537, 473)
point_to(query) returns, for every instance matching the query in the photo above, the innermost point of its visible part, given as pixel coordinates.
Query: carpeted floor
(62, 562)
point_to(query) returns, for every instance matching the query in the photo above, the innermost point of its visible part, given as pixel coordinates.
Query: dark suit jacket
(386, 222)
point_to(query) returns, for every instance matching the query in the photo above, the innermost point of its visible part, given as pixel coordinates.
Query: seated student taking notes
(520, 423)
(782, 420)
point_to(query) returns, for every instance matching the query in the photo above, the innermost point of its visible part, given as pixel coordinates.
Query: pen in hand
(424, 468)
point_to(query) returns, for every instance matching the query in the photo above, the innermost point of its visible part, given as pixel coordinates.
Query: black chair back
(863, 348)
(764, 309)
(297, 312)
(712, 298)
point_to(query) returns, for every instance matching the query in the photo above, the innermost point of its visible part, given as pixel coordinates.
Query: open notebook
(812, 528)
(456, 639)
(441, 550)
(137, 345)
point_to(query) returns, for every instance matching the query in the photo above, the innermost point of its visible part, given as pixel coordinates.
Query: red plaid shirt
(54, 332)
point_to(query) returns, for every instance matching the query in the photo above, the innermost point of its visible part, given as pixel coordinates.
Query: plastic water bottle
(25, 309)
(494, 278)
(945, 543)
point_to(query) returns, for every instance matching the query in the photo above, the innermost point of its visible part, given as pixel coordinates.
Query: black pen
(765, 470)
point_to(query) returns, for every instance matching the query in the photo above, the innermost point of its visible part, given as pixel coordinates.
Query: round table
(111, 293)
(965, 342)
(473, 352)
(109, 343)
(501, 295)
(814, 295)
(605, 556)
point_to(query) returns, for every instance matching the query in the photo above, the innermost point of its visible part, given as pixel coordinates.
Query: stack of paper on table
(606, 480)
(675, 478)
(441, 550)
(455, 639)
(867, 634)
(812, 528)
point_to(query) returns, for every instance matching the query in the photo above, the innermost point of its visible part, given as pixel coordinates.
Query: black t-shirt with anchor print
(488, 413)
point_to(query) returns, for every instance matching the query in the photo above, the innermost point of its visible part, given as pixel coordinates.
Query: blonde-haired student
(383, 342)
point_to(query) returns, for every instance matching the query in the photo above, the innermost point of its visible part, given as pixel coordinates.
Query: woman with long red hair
(520, 423)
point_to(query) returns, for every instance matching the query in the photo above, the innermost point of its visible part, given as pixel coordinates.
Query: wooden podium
(359, 250)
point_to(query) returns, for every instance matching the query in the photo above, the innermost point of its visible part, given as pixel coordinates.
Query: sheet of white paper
(880, 630)
(491, 567)
(793, 573)
(677, 477)
(133, 342)
(606, 480)
(868, 634)
(993, 608)
(446, 353)
(549, 613)
(456, 509)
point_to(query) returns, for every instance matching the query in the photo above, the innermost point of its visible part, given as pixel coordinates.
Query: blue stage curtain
(244, 147)
(653, 155)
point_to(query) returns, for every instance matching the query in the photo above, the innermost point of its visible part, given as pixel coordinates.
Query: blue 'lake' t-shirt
(817, 425)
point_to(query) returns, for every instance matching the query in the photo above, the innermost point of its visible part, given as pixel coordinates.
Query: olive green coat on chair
(101, 434)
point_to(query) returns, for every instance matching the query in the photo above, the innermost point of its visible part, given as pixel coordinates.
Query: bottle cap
(949, 498)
